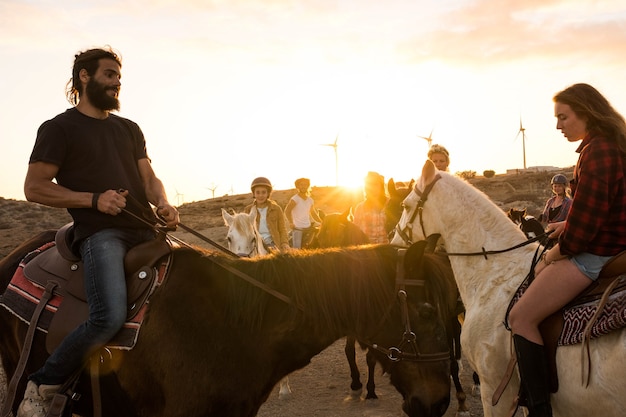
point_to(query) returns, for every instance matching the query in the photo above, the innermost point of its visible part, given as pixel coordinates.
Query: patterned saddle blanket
(67, 307)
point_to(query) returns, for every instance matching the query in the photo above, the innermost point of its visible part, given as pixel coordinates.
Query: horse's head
(243, 236)
(424, 386)
(516, 215)
(410, 227)
(338, 230)
(421, 374)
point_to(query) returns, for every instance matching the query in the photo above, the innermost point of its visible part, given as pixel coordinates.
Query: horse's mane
(240, 223)
(490, 221)
(334, 287)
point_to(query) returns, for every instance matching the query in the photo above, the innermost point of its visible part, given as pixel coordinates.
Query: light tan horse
(469, 221)
(243, 236)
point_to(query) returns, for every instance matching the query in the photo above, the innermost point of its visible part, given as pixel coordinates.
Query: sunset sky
(228, 90)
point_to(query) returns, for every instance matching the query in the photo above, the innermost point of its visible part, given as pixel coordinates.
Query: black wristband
(94, 201)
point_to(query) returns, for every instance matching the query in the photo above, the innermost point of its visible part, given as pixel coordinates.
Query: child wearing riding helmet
(270, 218)
(558, 205)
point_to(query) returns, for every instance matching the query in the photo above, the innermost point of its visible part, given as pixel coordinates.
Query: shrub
(466, 175)
(490, 173)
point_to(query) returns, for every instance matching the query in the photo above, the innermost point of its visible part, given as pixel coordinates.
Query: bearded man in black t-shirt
(95, 164)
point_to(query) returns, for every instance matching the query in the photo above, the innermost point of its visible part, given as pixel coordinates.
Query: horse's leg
(462, 408)
(476, 386)
(454, 341)
(284, 390)
(371, 369)
(356, 386)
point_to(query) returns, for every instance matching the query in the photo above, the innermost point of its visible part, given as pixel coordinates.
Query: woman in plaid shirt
(594, 231)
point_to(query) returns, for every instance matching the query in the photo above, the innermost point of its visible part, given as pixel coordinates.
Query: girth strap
(28, 343)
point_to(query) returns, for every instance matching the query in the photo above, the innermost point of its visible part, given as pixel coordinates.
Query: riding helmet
(261, 181)
(559, 179)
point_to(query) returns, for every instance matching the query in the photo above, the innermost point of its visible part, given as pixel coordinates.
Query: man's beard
(98, 97)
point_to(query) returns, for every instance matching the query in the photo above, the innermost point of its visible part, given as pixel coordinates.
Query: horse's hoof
(371, 396)
(356, 393)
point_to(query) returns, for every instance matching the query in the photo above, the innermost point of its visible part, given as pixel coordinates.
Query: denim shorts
(590, 264)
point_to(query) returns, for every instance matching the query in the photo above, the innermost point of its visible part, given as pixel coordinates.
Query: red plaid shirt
(597, 219)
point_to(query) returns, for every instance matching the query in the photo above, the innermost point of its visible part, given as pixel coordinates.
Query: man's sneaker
(37, 400)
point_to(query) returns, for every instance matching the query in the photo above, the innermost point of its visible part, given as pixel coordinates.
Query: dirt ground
(322, 388)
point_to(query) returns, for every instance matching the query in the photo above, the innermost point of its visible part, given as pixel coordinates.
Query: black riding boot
(533, 369)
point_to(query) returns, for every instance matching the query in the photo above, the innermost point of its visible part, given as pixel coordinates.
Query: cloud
(490, 32)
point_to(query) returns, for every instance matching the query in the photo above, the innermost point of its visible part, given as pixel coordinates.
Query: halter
(409, 338)
(407, 233)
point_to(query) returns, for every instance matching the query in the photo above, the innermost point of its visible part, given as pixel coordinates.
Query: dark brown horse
(336, 231)
(393, 212)
(209, 333)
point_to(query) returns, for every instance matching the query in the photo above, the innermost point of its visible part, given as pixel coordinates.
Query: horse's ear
(321, 213)
(253, 213)
(414, 256)
(227, 217)
(431, 242)
(428, 172)
(411, 183)
(347, 215)
(391, 186)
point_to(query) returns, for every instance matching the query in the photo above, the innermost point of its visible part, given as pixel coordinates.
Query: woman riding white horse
(469, 222)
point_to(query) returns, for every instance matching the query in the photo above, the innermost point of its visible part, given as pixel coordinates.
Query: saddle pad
(612, 317)
(22, 296)
(576, 318)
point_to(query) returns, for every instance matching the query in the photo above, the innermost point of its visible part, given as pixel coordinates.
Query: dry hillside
(20, 220)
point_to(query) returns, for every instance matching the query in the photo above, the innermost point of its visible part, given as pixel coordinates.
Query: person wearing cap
(270, 218)
(558, 205)
(299, 211)
(369, 214)
(440, 157)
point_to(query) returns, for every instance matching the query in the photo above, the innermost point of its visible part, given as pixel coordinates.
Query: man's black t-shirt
(94, 156)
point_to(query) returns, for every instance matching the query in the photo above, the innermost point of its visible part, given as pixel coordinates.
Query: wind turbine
(334, 146)
(522, 131)
(428, 138)
(180, 198)
(212, 189)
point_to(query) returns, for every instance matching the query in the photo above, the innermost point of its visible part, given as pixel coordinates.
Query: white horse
(243, 235)
(469, 222)
(245, 240)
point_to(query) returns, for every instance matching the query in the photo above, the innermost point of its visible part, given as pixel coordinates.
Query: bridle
(407, 349)
(407, 232)
(395, 354)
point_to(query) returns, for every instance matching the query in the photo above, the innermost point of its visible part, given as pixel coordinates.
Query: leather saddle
(61, 265)
(551, 327)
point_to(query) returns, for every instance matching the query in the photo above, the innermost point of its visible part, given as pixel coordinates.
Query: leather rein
(395, 354)
(406, 233)
(409, 338)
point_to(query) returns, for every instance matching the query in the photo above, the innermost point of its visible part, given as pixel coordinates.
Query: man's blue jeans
(105, 287)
